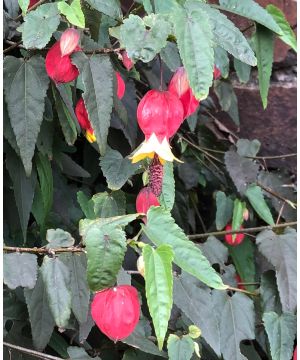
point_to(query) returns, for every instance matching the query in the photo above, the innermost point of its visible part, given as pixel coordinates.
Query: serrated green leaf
(224, 210)
(86, 204)
(56, 277)
(39, 25)
(41, 319)
(237, 216)
(72, 12)
(280, 251)
(23, 5)
(180, 348)
(222, 61)
(105, 248)
(256, 198)
(20, 270)
(195, 43)
(108, 205)
(59, 238)
(80, 292)
(251, 10)
(228, 99)
(264, 49)
(167, 196)
(161, 229)
(269, 295)
(116, 169)
(170, 56)
(159, 287)
(78, 353)
(247, 147)
(111, 8)
(281, 330)
(96, 71)
(243, 70)
(288, 35)
(215, 251)
(25, 87)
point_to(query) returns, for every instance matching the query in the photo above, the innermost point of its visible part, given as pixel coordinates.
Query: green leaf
(39, 25)
(20, 270)
(215, 251)
(72, 12)
(105, 246)
(78, 353)
(161, 229)
(288, 35)
(159, 287)
(164, 7)
(227, 35)
(264, 49)
(280, 251)
(111, 8)
(23, 187)
(227, 99)
(222, 61)
(144, 38)
(41, 319)
(237, 217)
(256, 198)
(195, 43)
(243, 70)
(96, 71)
(281, 330)
(167, 196)
(80, 292)
(224, 210)
(59, 238)
(86, 204)
(116, 169)
(25, 87)
(108, 205)
(170, 56)
(24, 5)
(56, 277)
(180, 348)
(269, 295)
(247, 147)
(70, 167)
(251, 10)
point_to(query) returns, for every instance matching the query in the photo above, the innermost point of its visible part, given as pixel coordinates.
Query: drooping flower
(217, 73)
(159, 115)
(179, 85)
(116, 311)
(69, 41)
(84, 122)
(120, 85)
(60, 68)
(145, 200)
(127, 62)
(229, 238)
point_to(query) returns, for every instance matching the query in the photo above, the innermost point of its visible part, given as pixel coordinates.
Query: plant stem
(270, 191)
(242, 291)
(33, 353)
(43, 250)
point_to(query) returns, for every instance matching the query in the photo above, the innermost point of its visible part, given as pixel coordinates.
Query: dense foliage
(72, 226)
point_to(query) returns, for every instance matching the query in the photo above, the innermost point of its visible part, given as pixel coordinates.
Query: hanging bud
(84, 122)
(159, 114)
(145, 200)
(69, 41)
(140, 264)
(120, 85)
(229, 238)
(116, 311)
(156, 173)
(217, 73)
(60, 68)
(127, 62)
(179, 85)
(246, 214)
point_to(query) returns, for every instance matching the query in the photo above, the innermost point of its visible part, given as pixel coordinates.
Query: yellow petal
(90, 136)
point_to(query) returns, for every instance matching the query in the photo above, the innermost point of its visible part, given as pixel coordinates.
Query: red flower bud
(229, 239)
(58, 67)
(179, 85)
(295, 354)
(127, 62)
(239, 280)
(116, 311)
(145, 200)
(120, 85)
(217, 73)
(32, 2)
(84, 122)
(69, 41)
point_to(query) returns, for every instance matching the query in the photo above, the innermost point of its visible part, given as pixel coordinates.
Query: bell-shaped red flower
(145, 200)
(127, 62)
(84, 122)
(60, 68)
(116, 311)
(229, 238)
(159, 114)
(179, 85)
(217, 73)
(120, 85)
(69, 41)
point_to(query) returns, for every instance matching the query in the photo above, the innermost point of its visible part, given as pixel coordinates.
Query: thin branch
(43, 250)
(104, 51)
(242, 291)
(272, 157)
(245, 230)
(12, 46)
(272, 192)
(33, 353)
(248, 283)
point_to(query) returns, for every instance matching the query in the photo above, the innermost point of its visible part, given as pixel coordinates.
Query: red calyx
(116, 311)
(60, 68)
(145, 200)
(127, 62)
(179, 85)
(82, 115)
(32, 2)
(69, 41)
(229, 239)
(159, 113)
(217, 73)
(239, 280)
(120, 85)
(295, 354)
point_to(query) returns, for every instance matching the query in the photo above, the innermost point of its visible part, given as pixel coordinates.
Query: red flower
(69, 41)
(32, 2)
(217, 73)
(84, 122)
(120, 85)
(145, 200)
(127, 62)
(159, 114)
(295, 354)
(58, 67)
(179, 85)
(116, 311)
(229, 238)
